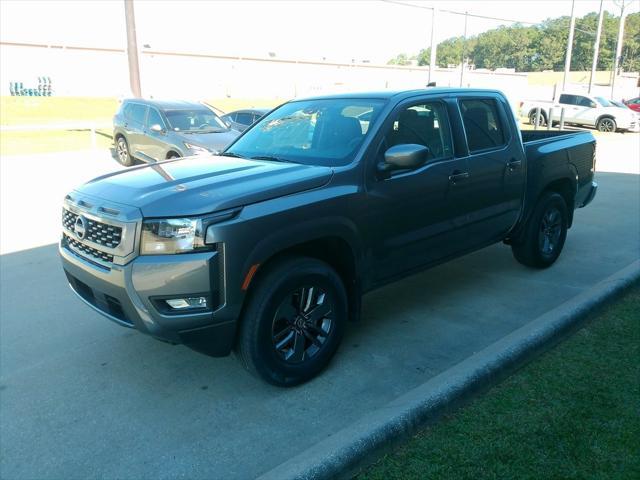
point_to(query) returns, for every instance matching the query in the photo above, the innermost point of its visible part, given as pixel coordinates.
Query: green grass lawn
(29, 142)
(574, 413)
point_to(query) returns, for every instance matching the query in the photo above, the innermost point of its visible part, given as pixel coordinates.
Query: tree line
(539, 47)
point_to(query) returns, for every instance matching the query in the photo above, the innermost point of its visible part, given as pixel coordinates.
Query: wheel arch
(606, 115)
(336, 247)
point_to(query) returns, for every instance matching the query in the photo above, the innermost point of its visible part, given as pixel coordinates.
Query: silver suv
(157, 130)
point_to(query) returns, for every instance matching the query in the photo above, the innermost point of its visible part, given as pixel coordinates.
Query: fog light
(187, 303)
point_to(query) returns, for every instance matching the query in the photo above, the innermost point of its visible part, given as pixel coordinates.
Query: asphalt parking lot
(83, 398)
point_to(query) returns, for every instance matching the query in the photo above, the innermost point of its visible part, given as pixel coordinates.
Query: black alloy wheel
(294, 320)
(302, 323)
(544, 234)
(550, 231)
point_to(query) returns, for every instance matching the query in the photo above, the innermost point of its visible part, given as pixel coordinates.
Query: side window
(567, 99)
(245, 118)
(482, 124)
(583, 101)
(426, 124)
(127, 111)
(138, 112)
(154, 118)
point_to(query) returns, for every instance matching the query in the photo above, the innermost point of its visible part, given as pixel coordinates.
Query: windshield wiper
(231, 154)
(272, 159)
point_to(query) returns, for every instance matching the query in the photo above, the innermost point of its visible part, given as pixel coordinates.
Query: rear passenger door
(494, 188)
(135, 116)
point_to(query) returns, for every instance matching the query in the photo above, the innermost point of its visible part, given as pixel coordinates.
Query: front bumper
(132, 295)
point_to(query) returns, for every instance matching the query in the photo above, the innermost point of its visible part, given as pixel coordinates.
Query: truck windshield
(325, 132)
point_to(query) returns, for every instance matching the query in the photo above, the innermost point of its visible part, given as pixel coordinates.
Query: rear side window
(482, 124)
(567, 99)
(135, 112)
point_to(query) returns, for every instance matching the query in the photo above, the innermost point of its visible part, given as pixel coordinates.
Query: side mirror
(404, 157)
(156, 128)
(593, 105)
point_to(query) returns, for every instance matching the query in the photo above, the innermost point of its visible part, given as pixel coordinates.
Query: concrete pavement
(83, 398)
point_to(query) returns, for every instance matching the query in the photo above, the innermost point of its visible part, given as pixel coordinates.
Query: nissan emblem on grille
(80, 227)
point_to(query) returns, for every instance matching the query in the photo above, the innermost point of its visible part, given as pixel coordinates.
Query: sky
(332, 30)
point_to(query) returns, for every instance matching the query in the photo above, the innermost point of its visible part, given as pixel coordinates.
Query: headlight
(172, 235)
(179, 235)
(196, 149)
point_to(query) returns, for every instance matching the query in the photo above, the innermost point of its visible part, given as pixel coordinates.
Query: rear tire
(543, 118)
(122, 152)
(545, 233)
(294, 321)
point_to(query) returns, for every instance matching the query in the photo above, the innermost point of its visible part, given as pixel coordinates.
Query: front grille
(97, 232)
(87, 250)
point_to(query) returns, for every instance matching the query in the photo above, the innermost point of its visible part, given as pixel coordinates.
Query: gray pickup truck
(268, 247)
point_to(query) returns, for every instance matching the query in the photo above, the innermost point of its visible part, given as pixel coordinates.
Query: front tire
(294, 321)
(545, 233)
(606, 124)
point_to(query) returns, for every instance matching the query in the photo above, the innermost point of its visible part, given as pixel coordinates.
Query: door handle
(513, 164)
(457, 176)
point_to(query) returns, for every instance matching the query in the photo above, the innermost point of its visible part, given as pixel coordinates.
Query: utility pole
(434, 44)
(616, 59)
(464, 45)
(132, 49)
(596, 48)
(567, 58)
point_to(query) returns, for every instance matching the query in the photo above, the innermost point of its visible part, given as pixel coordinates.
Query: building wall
(77, 71)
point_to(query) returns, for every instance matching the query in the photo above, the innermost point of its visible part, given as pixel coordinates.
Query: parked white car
(584, 110)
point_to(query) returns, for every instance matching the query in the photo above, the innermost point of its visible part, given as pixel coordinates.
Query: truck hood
(203, 184)
(213, 141)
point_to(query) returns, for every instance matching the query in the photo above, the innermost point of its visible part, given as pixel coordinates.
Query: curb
(347, 451)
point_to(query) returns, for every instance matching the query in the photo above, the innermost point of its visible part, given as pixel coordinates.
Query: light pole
(616, 59)
(434, 44)
(464, 44)
(132, 49)
(596, 48)
(567, 58)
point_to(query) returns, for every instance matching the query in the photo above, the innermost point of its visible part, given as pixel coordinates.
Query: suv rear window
(482, 124)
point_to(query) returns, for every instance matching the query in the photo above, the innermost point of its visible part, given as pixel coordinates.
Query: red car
(633, 104)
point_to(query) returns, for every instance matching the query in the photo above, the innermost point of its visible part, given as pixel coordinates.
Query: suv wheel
(545, 233)
(606, 124)
(122, 152)
(294, 321)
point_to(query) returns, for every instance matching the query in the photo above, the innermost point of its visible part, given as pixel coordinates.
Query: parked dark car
(242, 119)
(268, 247)
(157, 130)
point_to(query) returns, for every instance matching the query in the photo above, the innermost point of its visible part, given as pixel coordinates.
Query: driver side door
(413, 215)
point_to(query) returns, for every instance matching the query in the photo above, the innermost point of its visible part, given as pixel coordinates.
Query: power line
(396, 2)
